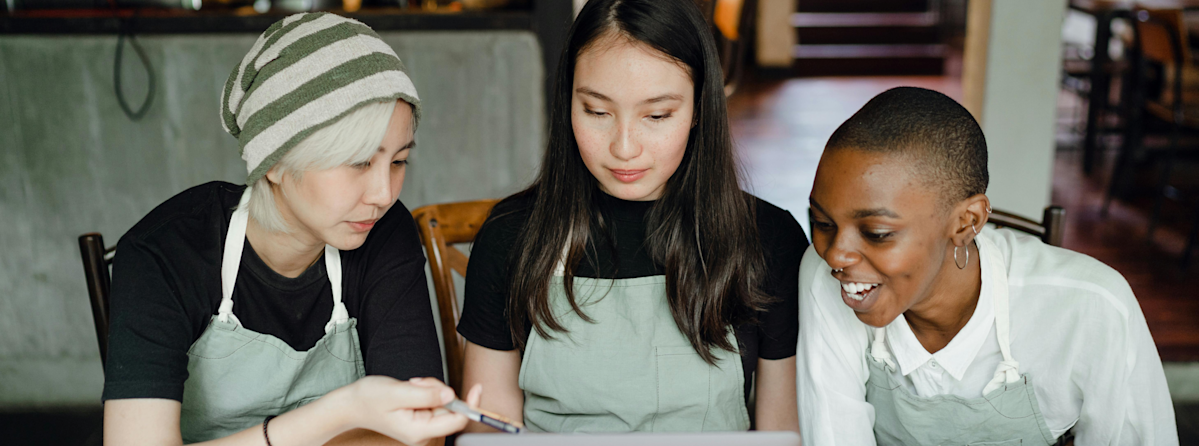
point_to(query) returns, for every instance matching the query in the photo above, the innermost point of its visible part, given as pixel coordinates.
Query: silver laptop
(635, 439)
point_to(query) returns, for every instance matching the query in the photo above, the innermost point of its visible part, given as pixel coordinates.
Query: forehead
(624, 69)
(849, 180)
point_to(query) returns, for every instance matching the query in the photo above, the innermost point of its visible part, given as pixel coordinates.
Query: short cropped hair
(927, 127)
(350, 140)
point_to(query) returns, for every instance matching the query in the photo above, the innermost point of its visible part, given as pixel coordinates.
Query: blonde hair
(350, 140)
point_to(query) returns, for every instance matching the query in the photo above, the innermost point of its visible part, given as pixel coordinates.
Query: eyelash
(366, 164)
(655, 118)
(872, 237)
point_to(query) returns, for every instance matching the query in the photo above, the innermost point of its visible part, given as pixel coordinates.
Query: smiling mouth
(860, 295)
(628, 175)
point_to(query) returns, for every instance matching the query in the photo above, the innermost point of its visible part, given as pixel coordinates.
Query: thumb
(408, 396)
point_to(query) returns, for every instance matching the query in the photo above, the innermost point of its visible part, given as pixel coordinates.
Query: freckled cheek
(668, 147)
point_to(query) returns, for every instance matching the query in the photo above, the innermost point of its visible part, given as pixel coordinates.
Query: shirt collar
(956, 357)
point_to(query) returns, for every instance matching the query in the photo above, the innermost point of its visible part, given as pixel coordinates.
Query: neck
(289, 254)
(950, 304)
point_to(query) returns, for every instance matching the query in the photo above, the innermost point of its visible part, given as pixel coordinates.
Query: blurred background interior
(109, 107)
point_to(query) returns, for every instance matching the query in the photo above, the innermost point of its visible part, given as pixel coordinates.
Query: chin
(348, 242)
(630, 193)
(875, 320)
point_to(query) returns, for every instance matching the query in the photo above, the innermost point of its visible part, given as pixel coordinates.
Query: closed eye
(877, 236)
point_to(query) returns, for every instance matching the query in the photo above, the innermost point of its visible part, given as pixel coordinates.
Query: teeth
(854, 288)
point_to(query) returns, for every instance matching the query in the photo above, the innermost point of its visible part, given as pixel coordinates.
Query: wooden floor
(780, 127)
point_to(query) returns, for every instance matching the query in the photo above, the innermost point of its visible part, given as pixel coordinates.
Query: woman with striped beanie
(233, 305)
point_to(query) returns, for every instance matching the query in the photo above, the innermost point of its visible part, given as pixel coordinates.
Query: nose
(378, 186)
(841, 253)
(624, 145)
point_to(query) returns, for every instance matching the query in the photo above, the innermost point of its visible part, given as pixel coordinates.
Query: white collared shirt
(1076, 330)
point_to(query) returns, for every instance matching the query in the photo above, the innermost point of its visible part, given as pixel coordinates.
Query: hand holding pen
(408, 411)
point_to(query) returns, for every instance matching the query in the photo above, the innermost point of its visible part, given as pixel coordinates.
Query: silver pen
(491, 419)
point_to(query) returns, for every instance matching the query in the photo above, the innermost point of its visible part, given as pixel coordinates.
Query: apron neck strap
(235, 240)
(1008, 370)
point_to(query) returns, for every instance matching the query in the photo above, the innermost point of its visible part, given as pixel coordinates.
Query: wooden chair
(96, 261)
(441, 226)
(1164, 94)
(732, 24)
(1051, 229)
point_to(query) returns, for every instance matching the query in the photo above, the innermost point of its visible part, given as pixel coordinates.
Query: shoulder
(512, 212)
(777, 226)
(1065, 281)
(192, 214)
(506, 221)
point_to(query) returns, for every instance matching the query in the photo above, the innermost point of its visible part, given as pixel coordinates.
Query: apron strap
(333, 270)
(235, 240)
(879, 350)
(1008, 370)
(560, 267)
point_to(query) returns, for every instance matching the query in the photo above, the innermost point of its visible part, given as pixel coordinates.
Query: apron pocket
(684, 389)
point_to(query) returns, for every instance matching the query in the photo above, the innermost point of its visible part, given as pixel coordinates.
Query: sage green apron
(629, 370)
(237, 377)
(1006, 414)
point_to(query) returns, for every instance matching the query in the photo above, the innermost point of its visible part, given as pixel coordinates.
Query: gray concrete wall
(71, 162)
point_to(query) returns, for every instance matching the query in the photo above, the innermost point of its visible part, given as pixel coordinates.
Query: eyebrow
(653, 100)
(860, 213)
(410, 145)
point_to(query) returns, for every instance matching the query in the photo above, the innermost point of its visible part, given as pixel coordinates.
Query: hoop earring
(955, 257)
(972, 229)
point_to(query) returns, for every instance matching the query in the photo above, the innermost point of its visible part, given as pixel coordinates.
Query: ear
(969, 217)
(275, 176)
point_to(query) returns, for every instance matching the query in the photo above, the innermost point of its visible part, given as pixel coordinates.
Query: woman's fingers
(444, 423)
(475, 395)
(412, 396)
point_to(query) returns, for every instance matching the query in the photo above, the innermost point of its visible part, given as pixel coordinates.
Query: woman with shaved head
(919, 324)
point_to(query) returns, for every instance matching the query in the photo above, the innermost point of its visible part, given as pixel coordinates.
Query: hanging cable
(126, 32)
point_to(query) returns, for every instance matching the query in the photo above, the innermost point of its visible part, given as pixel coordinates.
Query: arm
(831, 373)
(775, 395)
(498, 371)
(406, 411)
(1125, 400)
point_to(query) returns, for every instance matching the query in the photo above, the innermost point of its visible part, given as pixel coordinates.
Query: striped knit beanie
(303, 74)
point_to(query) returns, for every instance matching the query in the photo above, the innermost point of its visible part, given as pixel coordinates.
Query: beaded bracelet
(264, 435)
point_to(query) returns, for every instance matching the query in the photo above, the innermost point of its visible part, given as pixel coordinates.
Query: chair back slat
(441, 226)
(1051, 230)
(96, 260)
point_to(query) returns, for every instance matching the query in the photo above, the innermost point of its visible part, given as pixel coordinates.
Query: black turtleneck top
(484, 313)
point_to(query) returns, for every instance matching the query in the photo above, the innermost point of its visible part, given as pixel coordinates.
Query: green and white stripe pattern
(304, 73)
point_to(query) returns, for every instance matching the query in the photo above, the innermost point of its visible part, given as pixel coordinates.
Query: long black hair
(702, 230)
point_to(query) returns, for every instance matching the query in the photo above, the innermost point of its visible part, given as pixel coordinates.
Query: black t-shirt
(166, 286)
(484, 313)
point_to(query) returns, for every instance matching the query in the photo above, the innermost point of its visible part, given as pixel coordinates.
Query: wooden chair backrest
(727, 18)
(441, 226)
(1051, 229)
(96, 260)
(1162, 32)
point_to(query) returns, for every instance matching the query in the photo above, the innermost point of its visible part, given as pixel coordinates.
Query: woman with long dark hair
(634, 286)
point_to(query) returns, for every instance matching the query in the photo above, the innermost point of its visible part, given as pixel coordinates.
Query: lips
(362, 226)
(860, 296)
(628, 175)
